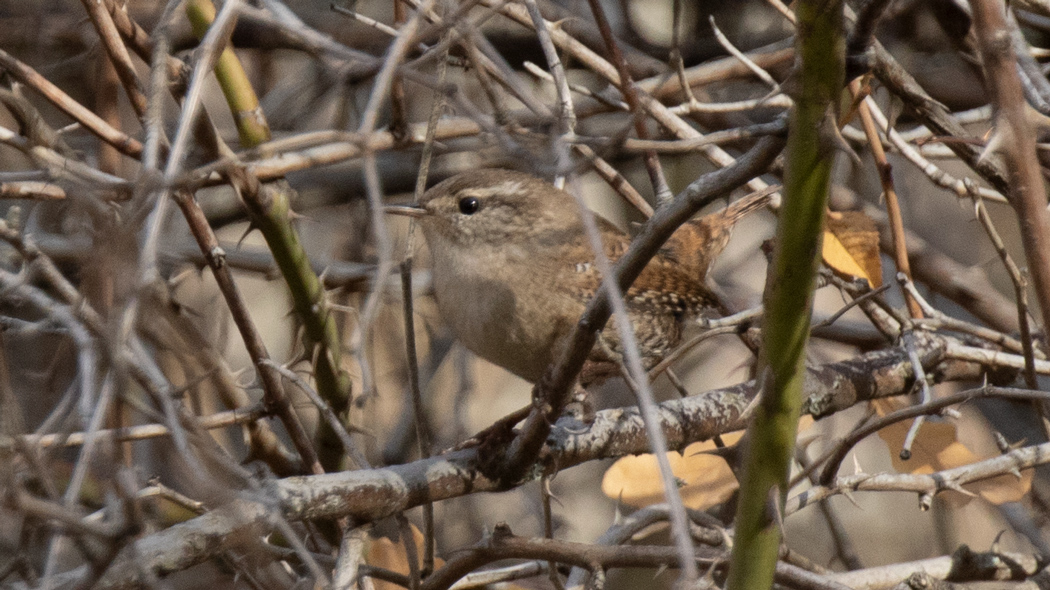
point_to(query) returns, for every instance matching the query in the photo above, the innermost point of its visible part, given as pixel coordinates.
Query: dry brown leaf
(387, 554)
(706, 479)
(937, 447)
(851, 246)
(1003, 489)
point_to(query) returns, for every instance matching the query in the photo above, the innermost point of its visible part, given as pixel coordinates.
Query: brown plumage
(513, 271)
(699, 242)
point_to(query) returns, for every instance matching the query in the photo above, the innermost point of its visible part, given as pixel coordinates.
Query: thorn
(663, 568)
(773, 511)
(727, 539)
(558, 24)
(848, 494)
(995, 543)
(995, 143)
(1001, 442)
(954, 486)
(176, 280)
(1005, 446)
(1039, 121)
(300, 356)
(251, 227)
(831, 135)
(546, 483)
(708, 579)
(749, 410)
(893, 111)
(237, 378)
(554, 499)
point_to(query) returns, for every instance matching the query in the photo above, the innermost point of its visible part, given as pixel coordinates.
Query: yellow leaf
(937, 447)
(1003, 489)
(391, 555)
(851, 246)
(705, 479)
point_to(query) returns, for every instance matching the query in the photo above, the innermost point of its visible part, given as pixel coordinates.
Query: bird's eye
(469, 205)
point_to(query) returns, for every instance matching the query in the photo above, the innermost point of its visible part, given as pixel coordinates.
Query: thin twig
(137, 433)
(927, 485)
(1018, 280)
(81, 114)
(936, 320)
(566, 112)
(384, 266)
(889, 192)
(118, 54)
(546, 498)
(349, 446)
(630, 93)
(276, 398)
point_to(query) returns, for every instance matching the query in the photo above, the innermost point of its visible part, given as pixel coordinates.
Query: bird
(513, 270)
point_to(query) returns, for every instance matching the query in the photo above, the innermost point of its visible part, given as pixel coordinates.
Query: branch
(373, 494)
(788, 300)
(928, 484)
(1015, 138)
(935, 116)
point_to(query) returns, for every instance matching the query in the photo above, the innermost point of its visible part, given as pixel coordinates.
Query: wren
(513, 271)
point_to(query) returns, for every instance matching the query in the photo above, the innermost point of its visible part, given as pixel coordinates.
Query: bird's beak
(408, 211)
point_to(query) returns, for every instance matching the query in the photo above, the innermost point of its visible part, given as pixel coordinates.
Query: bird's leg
(581, 408)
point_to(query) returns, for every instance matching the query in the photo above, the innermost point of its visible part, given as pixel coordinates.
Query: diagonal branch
(1015, 137)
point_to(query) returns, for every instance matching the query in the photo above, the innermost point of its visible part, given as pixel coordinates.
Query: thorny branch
(116, 358)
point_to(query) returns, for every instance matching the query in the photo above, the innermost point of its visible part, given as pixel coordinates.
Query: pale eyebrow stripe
(510, 188)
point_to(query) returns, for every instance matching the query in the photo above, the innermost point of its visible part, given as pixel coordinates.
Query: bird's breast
(504, 306)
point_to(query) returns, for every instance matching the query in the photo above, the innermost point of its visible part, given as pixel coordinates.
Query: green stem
(270, 210)
(252, 127)
(271, 214)
(789, 294)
